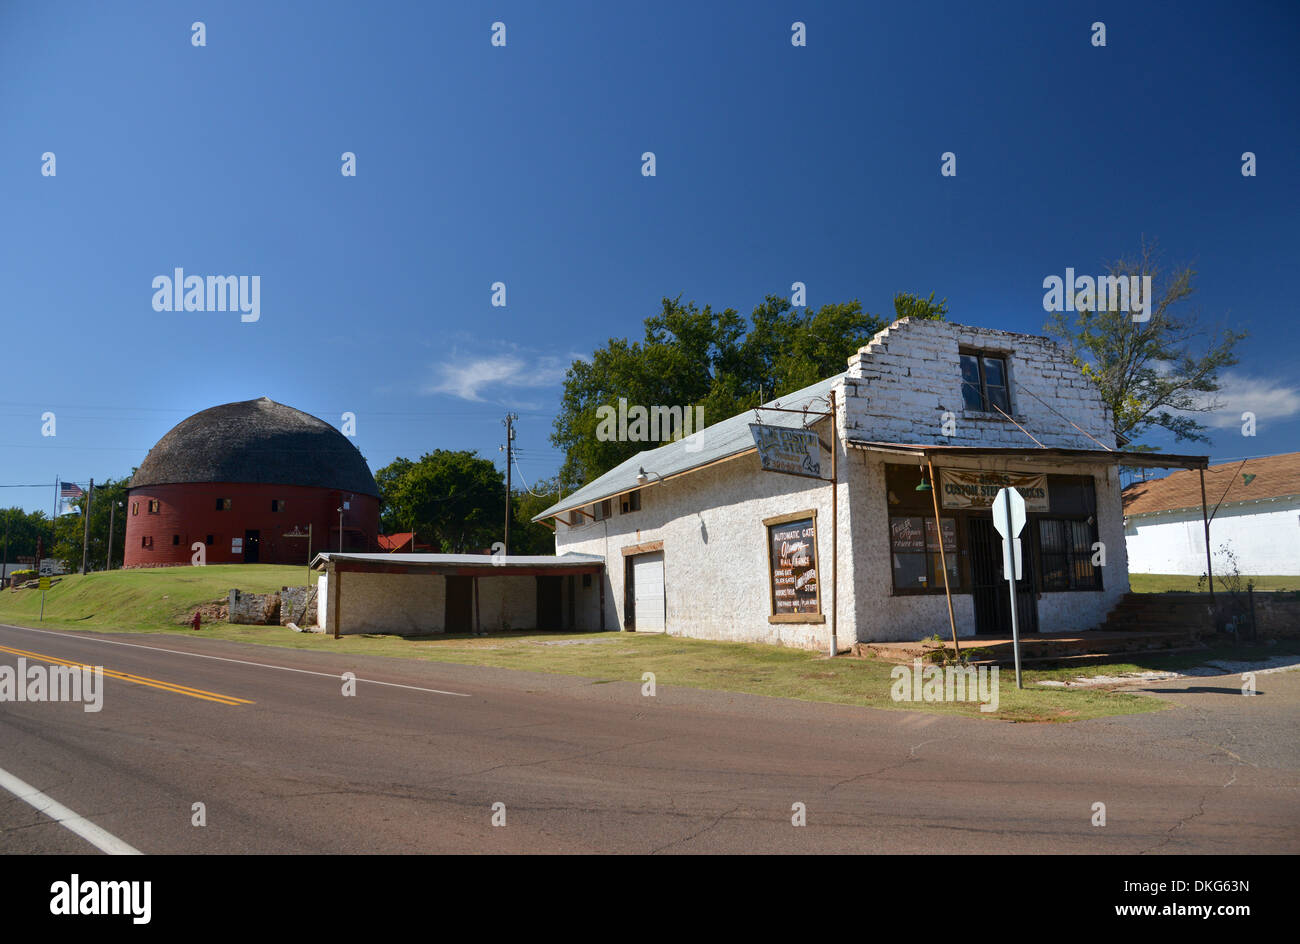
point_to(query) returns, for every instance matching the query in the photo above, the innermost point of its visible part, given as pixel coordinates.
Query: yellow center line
(135, 679)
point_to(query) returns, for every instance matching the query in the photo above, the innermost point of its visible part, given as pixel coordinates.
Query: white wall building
(699, 540)
(1257, 520)
(417, 594)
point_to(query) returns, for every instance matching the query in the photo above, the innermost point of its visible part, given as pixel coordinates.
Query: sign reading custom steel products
(793, 555)
(783, 449)
(970, 488)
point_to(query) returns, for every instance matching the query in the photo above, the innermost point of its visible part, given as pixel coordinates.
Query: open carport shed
(412, 594)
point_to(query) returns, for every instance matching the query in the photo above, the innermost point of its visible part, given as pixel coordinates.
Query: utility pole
(4, 568)
(112, 507)
(510, 454)
(85, 528)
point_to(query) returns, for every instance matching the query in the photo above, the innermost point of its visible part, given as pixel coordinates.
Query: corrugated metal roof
(465, 560)
(722, 440)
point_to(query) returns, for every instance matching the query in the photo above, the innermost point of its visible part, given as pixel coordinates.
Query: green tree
(907, 305)
(1152, 374)
(455, 500)
(69, 528)
(22, 528)
(526, 537)
(699, 357)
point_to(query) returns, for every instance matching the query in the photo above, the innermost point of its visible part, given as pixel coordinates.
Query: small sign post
(45, 585)
(1009, 520)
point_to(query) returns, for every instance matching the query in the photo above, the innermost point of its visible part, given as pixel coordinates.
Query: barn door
(648, 592)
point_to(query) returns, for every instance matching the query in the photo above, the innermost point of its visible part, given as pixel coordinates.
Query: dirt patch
(216, 612)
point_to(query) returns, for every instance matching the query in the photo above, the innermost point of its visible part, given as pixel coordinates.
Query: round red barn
(246, 480)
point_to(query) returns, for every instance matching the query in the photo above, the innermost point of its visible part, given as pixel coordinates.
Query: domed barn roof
(256, 441)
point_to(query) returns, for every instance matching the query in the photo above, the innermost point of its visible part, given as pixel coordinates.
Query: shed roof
(1240, 481)
(482, 564)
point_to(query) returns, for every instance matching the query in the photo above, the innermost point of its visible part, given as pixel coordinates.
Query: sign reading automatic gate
(793, 555)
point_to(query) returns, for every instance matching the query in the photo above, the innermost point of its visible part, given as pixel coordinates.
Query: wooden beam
(943, 560)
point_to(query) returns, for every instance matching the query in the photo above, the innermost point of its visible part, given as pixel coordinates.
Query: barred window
(1066, 553)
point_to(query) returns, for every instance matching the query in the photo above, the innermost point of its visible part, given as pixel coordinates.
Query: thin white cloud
(493, 378)
(1266, 397)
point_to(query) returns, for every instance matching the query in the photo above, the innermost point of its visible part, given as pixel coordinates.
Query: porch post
(1205, 518)
(835, 527)
(943, 560)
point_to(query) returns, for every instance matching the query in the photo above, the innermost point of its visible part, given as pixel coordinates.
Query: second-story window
(984, 382)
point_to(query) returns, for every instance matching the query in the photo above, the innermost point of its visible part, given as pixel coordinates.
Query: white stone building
(1255, 518)
(699, 540)
(416, 594)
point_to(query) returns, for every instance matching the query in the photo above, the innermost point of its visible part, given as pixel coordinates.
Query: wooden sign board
(790, 450)
(971, 488)
(792, 547)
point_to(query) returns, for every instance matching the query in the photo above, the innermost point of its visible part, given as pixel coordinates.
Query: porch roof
(1151, 460)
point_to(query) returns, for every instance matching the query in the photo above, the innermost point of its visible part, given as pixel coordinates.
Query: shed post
(336, 581)
(600, 577)
(477, 609)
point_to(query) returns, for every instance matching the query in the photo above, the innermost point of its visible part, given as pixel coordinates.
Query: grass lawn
(1164, 583)
(144, 600)
(153, 601)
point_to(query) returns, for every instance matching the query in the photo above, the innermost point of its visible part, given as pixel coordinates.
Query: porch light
(924, 486)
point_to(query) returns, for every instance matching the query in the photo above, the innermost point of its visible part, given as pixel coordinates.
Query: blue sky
(521, 164)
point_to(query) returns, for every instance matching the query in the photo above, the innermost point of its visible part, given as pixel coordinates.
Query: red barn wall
(187, 513)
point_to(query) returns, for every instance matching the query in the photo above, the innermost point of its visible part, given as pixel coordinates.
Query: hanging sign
(785, 449)
(971, 488)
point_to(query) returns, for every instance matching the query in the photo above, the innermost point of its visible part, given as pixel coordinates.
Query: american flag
(70, 490)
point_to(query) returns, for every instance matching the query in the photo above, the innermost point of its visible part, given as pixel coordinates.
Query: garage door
(648, 592)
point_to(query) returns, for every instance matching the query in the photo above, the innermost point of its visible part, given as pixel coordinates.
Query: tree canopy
(714, 360)
(454, 500)
(1155, 374)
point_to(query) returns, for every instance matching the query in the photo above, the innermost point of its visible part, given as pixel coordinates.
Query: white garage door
(648, 592)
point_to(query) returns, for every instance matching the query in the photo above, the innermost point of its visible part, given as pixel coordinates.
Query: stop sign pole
(1009, 520)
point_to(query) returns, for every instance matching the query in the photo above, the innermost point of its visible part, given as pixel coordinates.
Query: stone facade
(298, 606)
(254, 608)
(898, 388)
(903, 387)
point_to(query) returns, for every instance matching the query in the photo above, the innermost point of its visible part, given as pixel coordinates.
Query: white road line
(103, 841)
(200, 655)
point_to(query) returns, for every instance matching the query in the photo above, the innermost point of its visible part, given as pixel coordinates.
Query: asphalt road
(587, 767)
